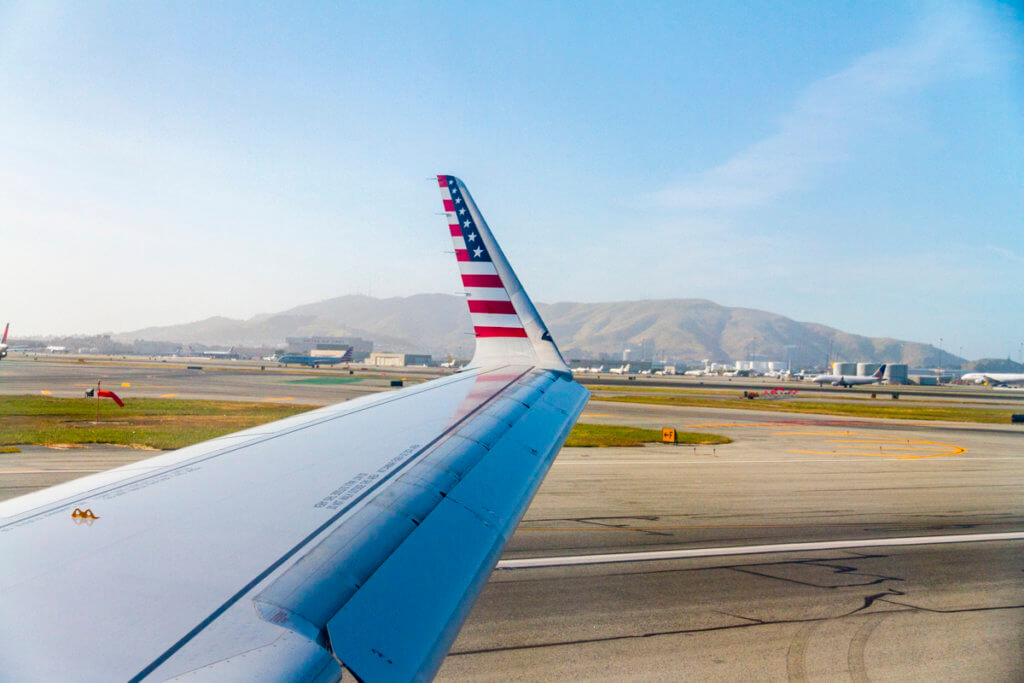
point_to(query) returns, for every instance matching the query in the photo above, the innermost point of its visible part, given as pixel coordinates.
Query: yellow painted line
(738, 424)
(596, 415)
(954, 450)
(833, 433)
(279, 398)
(168, 395)
(45, 392)
(126, 384)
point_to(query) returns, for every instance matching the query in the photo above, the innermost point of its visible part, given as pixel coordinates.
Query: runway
(948, 610)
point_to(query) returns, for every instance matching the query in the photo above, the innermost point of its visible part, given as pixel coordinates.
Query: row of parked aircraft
(621, 370)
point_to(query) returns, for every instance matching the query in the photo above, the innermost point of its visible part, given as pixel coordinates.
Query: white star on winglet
(472, 237)
(458, 200)
(477, 251)
(451, 181)
(467, 223)
(462, 211)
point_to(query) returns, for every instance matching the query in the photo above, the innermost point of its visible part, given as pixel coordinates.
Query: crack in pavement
(707, 629)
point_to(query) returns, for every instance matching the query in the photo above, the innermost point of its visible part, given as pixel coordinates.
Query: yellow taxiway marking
(832, 433)
(45, 392)
(886, 448)
(738, 424)
(279, 398)
(167, 395)
(125, 384)
(597, 415)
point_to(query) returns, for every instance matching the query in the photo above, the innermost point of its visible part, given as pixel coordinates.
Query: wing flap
(307, 595)
(400, 624)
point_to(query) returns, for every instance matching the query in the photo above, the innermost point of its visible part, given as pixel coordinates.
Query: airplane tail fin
(507, 326)
(6, 327)
(880, 372)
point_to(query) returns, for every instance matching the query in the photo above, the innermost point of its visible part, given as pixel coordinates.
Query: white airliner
(993, 378)
(3, 342)
(850, 380)
(357, 536)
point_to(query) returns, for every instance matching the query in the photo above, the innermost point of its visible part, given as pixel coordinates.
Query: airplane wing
(354, 536)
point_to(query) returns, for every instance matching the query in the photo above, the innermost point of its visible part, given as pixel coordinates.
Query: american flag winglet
(490, 307)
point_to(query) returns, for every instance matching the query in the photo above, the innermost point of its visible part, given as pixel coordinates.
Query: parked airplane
(993, 378)
(3, 342)
(356, 536)
(850, 380)
(314, 361)
(621, 370)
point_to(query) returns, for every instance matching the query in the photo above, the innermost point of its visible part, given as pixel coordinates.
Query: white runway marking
(570, 560)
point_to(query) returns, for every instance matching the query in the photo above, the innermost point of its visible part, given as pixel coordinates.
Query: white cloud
(831, 114)
(1005, 253)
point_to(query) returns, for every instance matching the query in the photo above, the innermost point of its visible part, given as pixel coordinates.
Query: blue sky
(856, 164)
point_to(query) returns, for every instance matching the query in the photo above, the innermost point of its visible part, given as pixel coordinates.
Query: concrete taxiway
(938, 611)
(948, 611)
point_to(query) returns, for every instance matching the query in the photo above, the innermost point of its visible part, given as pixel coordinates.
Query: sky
(857, 164)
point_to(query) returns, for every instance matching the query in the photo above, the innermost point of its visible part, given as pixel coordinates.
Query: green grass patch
(142, 423)
(327, 380)
(891, 410)
(616, 435)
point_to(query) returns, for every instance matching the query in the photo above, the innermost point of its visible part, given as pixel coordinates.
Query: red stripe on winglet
(456, 230)
(499, 331)
(449, 205)
(461, 254)
(442, 181)
(501, 307)
(481, 281)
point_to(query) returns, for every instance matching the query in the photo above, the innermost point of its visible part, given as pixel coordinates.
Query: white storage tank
(846, 369)
(865, 369)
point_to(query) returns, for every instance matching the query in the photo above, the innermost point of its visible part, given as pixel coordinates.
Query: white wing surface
(354, 536)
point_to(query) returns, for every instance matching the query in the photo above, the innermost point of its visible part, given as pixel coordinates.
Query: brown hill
(681, 329)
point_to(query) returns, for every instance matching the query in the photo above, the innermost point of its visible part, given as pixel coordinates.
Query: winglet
(506, 323)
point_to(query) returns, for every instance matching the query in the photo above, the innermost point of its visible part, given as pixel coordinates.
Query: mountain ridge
(681, 329)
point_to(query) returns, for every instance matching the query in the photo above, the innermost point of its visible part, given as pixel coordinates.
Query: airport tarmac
(201, 380)
(941, 612)
(951, 611)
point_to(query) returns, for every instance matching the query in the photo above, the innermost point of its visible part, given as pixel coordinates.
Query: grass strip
(615, 435)
(887, 411)
(142, 423)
